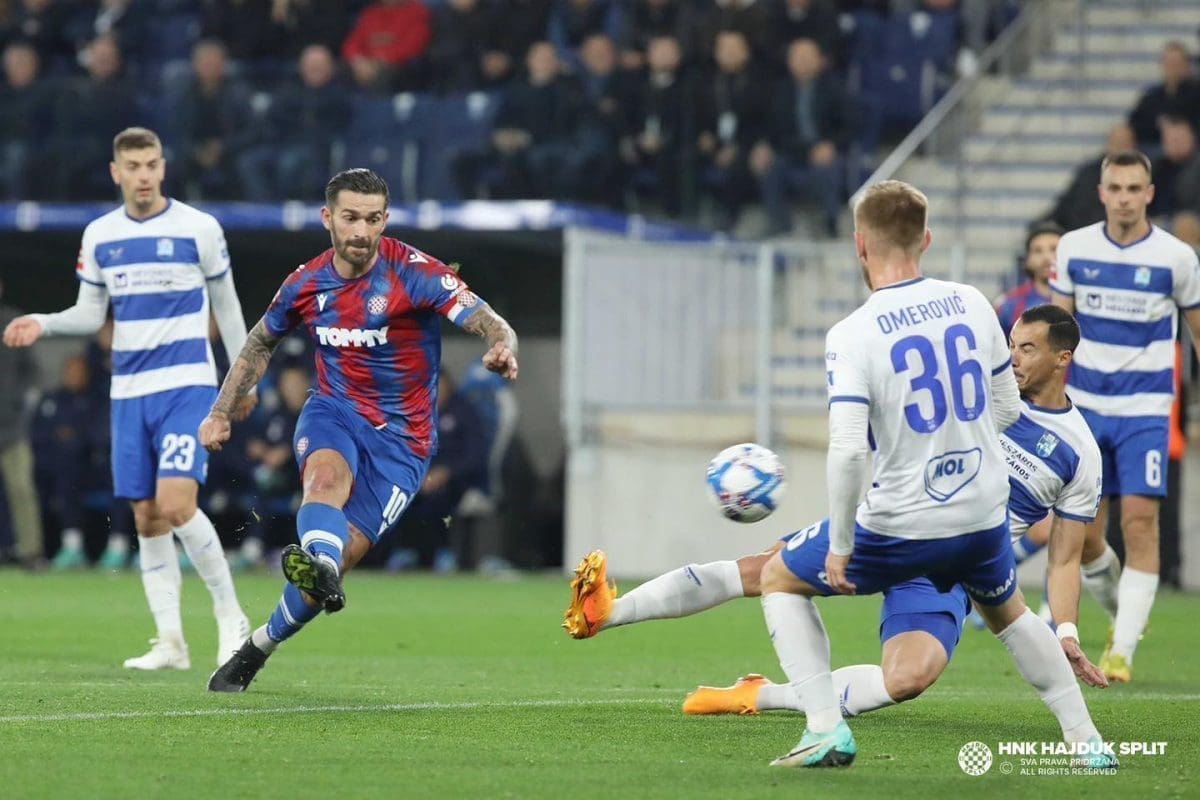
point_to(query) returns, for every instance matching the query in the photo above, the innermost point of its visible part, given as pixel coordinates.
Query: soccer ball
(746, 482)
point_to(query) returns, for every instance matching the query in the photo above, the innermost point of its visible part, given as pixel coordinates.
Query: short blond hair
(895, 211)
(134, 139)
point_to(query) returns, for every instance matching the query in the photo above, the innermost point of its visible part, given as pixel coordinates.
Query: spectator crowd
(659, 105)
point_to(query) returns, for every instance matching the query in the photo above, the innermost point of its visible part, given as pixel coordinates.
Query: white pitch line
(356, 709)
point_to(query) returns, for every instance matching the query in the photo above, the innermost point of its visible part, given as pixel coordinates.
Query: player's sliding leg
(803, 648)
(175, 499)
(162, 583)
(682, 592)
(919, 628)
(1138, 584)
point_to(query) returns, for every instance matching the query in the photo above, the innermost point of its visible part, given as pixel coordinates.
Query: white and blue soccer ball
(746, 482)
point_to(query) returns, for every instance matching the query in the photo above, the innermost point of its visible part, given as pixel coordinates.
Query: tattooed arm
(243, 376)
(501, 356)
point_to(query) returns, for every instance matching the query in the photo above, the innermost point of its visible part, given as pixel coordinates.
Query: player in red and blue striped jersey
(364, 440)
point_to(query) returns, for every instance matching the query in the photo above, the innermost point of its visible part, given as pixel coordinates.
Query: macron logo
(352, 337)
(321, 302)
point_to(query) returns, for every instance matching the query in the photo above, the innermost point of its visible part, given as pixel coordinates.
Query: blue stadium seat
(901, 75)
(170, 37)
(387, 134)
(462, 122)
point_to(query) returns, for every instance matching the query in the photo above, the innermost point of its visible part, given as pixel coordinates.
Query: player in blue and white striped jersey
(160, 263)
(1125, 279)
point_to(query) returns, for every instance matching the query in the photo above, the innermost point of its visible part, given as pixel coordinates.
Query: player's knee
(176, 511)
(323, 480)
(750, 568)
(1140, 522)
(775, 576)
(909, 681)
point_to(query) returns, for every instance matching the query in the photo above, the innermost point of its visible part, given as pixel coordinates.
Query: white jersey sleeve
(846, 366)
(86, 267)
(1080, 497)
(214, 253)
(1060, 275)
(1186, 289)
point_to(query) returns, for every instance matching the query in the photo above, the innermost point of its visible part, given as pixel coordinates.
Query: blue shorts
(917, 605)
(387, 474)
(1133, 453)
(983, 561)
(155, 436)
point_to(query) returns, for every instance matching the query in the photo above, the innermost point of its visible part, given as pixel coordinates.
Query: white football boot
(168, 652)
(233, 630)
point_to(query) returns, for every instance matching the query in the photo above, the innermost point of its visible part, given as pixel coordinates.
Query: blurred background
(654, 192)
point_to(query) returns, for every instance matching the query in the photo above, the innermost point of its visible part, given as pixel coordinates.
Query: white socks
(1135, 598)
(803, 649)
(1100, 577)
(72, 539)
(679, 593)
(860, 689)
(1041, 662)
(199, 539)
(162, 582)
(262, 641)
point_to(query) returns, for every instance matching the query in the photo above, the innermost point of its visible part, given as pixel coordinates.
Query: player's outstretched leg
(860, 688)
(682, 592)
(162, 582)
(292, 614)
(200, 542)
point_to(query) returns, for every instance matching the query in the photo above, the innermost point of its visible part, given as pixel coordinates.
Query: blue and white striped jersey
(156, 272)
(1053, 465)
(1126, 301)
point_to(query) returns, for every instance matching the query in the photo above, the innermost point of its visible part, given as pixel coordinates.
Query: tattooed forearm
(246, 371)
(492, 327)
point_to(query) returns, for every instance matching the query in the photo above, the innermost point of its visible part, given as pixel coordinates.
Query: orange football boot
(592, 596)
(741, 698)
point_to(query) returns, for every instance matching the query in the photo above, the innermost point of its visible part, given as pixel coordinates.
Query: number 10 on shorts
(393, 509)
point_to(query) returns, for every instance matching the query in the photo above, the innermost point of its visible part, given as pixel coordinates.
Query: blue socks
(290, 615)
(323, 531)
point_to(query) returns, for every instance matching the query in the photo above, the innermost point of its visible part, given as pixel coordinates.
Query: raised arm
(501, 356)
(244, 374)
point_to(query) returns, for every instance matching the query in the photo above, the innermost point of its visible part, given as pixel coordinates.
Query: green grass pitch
(464, 687)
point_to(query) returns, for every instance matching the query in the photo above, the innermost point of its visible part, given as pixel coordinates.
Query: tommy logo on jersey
(352, 337)
(1046, 444)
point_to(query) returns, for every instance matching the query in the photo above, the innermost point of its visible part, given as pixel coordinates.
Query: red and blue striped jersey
(378, 339)
(1013, 304)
